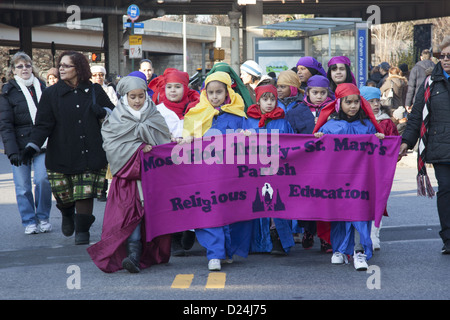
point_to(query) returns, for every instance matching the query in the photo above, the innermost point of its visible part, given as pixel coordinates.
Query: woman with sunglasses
(69, 115)
(18, 106)
(429, 122)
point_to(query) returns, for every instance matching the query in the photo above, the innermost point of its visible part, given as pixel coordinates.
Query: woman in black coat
(434, 146)
(18, 105)
(69, 115)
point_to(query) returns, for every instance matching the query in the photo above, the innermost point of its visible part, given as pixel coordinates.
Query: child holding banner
(349, 114)
(220, 109)
(269, 235)
(134, 126)
(302, 118)
(174, 98)
(388, 127)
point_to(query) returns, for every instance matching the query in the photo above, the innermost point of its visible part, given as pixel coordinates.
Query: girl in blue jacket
(269, 234)
(349, 114)
(220, 109)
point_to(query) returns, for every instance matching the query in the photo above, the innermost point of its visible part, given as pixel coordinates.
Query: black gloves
(15, 159)
(99, 111)
(27, 154)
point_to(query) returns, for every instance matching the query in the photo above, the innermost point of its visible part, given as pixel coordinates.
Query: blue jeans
(37, 208)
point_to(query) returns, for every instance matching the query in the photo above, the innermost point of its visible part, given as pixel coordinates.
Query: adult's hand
(27, 155)
(402, 152)
(14, 159)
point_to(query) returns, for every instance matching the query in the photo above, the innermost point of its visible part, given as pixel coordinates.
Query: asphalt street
(409, 265)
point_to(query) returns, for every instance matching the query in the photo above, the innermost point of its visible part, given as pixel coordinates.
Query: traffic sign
(134, 40)
(133, 12)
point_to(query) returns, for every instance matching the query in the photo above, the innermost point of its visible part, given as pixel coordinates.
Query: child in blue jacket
(349, 114)
(269, 234)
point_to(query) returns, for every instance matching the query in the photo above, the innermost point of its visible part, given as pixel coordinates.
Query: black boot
(277, 247)
(131, 263)
(83, 223)
(177, 248)
(68, 223)
(188, 239)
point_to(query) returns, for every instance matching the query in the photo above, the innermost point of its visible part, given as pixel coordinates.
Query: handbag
(387, 98)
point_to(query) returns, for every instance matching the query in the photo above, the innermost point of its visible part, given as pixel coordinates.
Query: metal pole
(184, 44)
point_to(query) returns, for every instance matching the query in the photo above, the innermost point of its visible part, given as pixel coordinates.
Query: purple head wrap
(311, 63)
(344, 60)
(318, 81)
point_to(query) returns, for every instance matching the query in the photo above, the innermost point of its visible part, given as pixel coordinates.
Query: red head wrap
(254, 111)
(171, 75)
(344, 90)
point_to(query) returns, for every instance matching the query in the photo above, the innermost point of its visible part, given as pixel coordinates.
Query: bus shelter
(322, 38)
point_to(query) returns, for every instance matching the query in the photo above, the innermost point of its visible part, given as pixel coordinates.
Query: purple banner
(223, 179)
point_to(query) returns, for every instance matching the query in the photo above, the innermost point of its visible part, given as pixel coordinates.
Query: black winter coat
(438, 145)
(15, 118)
(71, 121)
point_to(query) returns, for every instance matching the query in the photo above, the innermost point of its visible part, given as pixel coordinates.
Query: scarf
(254, 111)
(343, 90)
(424, 187)
(316, 108)
(199, 118)
(24, 84)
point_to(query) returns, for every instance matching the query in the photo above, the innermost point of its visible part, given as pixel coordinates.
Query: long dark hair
(81, 64)
(348, 78)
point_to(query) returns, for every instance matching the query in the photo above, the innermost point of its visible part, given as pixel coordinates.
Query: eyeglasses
(444, 55)
(21, 66)
(65, 66)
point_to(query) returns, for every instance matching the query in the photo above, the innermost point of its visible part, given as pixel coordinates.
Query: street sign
(139, 28)
(135, 51)
(133, 12)
(135, 40)
(135, 43)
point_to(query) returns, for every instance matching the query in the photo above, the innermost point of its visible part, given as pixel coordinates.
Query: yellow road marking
(216, 280)
(182, 281)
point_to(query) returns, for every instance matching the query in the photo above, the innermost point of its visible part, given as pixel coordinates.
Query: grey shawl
(123, 133)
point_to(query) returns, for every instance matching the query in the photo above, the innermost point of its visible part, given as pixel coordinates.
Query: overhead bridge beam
(83, 9)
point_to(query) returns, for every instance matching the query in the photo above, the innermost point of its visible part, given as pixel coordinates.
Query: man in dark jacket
(384, 71)
(417, 76)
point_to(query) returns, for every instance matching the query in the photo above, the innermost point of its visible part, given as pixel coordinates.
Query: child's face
(174, 91)
(317, 95)
(350, 105)
(216, 92)
(136, 98)
(267, 103)
(303, 73)
(375, 104)
(283, 91)
(339, 73)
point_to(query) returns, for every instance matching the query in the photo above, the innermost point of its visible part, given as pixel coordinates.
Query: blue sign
(361, 55)
(136, 25)
(133, 12)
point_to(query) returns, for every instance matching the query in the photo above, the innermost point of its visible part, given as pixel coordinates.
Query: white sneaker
(339, 258)
(31, 229)
(45, 226)
(359, 261)
(214, 265)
